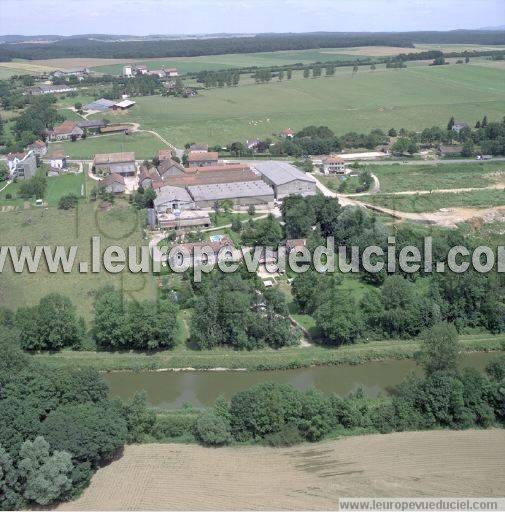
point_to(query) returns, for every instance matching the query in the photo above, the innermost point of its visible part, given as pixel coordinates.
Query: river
(170, 390)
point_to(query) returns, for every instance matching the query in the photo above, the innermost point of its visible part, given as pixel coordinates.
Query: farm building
(198, 148)
(201, 158)
(286, 179)
(183, 219)
(78, 72)
(116, 128)
(49, 89)
(92, 125)
(120, 163)
(101, 104)
(172, 198)
(207, 178)
(242, 193)
(38, 147)
(169, 167)
(123, 105)
(164, 154)
(113, 184)
(66, 131)
(147, 176)
(333, 164)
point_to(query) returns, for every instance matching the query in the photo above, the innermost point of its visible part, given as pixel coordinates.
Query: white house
(333, 164)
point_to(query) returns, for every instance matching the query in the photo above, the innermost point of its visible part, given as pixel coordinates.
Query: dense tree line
(53, 324)
(84, 47)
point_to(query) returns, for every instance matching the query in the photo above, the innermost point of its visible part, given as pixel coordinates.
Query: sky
(143, 17)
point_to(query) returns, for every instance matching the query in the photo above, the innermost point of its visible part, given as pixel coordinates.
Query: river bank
(183, 359)
(172, 391)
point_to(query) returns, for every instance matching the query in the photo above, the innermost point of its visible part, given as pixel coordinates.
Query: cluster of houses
(74, 130)
(130, 71)
(185, 195)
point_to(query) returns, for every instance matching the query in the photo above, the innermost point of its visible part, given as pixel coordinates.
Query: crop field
(412, 98)
(399, 178)
(420, 203)
(404, 178)
(119, 226)
(417, 464)
(145, 145)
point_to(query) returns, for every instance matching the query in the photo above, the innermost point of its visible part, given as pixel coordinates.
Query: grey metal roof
(91, 123)
(101, 104)
(279, 172)
(235, 190)
(168, 194)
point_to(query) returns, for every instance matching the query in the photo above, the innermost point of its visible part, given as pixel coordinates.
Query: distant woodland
(85, 47)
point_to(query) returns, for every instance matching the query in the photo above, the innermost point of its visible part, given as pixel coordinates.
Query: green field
(399, 178)
(436, 201)
(59, 186)
(264, 359)
(119, 226)
(412, 98)
(262, 59)
(238, 60)
(145, 145)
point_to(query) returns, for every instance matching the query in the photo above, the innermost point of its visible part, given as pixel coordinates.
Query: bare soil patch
(306, 477)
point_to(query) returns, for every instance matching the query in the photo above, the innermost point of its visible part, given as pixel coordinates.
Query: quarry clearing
(304, 477)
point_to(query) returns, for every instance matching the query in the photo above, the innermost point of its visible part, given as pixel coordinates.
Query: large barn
(286, 179)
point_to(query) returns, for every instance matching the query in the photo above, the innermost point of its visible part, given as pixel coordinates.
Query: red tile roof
(65, 127)
(200, 156)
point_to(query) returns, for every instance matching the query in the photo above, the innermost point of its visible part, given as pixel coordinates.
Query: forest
(260, 43)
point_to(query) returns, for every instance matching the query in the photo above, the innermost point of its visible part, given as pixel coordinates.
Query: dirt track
(309, 477)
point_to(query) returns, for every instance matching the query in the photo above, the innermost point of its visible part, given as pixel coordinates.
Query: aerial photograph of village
(252, 255)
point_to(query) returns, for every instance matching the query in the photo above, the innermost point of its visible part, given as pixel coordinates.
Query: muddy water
(173, 389)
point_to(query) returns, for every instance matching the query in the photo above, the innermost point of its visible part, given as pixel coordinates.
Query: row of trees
(53, 324)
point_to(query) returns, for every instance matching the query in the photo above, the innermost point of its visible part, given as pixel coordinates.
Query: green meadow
(239, 60)
(121, 225)
(413, 98)
(401, 178)
(435, 201)
(145, 145)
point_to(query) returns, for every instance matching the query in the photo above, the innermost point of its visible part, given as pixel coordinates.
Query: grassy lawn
(436, 201)
(59, 186)
(119, 226)
(266, 359)
(397, 177)
(412, 98)
(145, 145)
